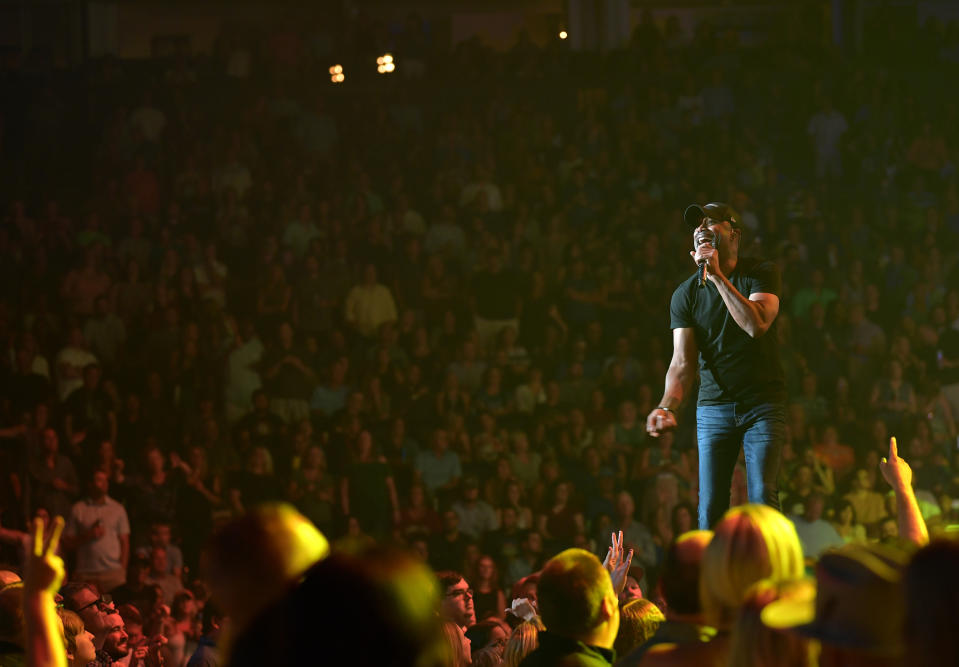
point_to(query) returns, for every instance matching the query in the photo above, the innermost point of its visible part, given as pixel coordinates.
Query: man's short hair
(130, 614)
(448, 579)
(571, 589)
(69, 593)
(211, 616)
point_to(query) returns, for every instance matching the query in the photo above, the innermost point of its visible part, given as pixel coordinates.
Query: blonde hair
(522, 641)
(454, 644)
(754, 644)
(72, 626)
(267, 458)
(751, 542)
(638, 621)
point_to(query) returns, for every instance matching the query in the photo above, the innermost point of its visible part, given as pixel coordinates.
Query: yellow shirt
(869, 505)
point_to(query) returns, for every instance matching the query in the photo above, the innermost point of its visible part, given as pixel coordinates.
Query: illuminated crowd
(437, 322)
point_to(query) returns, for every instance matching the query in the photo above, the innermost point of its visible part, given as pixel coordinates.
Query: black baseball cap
(695, 213)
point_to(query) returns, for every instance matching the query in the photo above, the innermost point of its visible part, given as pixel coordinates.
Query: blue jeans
(721, 429)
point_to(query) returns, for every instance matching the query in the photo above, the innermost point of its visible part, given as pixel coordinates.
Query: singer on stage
(723, 318)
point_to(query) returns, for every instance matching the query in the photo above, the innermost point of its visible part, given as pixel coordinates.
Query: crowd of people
(439, 321)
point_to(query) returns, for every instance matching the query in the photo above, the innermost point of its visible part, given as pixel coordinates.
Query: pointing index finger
(893, 449)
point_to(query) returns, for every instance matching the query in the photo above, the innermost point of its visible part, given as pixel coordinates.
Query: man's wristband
(664, 409)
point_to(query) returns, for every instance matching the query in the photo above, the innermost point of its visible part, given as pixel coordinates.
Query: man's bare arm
(682, 368)
(679, 379)
(898, 474)
(753, 315)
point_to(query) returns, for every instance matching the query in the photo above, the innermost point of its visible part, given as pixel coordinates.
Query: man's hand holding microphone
(706, 254)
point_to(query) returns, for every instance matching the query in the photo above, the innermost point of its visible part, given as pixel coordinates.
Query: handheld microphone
(704, 236)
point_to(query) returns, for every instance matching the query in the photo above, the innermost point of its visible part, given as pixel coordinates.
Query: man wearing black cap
(726, 323)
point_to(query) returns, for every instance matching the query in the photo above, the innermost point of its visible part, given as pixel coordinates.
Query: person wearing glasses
(724, 327)
(456, 610)
(457, 603)
(93, 609)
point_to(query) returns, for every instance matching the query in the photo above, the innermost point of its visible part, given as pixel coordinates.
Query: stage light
(336, 74)
(563, 34)
(385, 64)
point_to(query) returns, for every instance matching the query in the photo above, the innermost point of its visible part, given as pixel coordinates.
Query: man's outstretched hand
(616, 564)
(895, 470)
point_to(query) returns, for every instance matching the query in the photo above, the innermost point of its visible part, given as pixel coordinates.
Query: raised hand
(895, 470)
(616, 564)
(44, 569)
(898, 474)
(621, 572)
(615, 552)
(42, 575)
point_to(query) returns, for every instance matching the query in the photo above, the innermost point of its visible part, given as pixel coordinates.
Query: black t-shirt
(733, 367)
